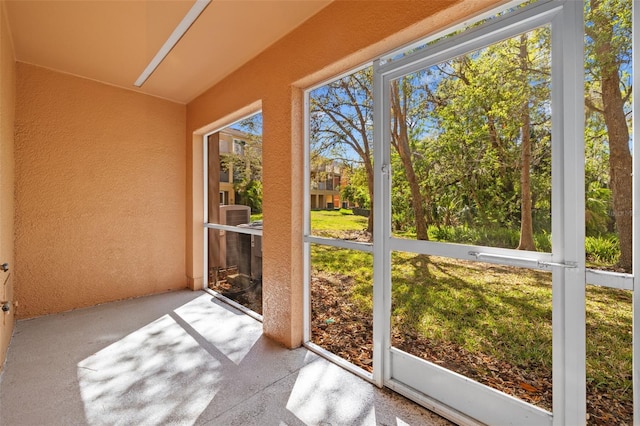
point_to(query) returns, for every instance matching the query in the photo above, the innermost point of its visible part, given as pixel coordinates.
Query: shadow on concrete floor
(180, 358)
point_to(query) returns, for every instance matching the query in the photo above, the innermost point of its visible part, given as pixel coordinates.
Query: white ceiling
(112, 41)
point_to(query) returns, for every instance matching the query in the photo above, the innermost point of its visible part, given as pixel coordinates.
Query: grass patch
(499, 316)
(357, 265)
(609, 340)
(499, 311)
(336, 220)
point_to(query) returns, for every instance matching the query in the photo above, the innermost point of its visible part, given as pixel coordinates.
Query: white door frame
(443, 390)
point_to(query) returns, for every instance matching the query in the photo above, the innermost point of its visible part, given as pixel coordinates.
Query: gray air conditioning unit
(256, 250)
(232, 245)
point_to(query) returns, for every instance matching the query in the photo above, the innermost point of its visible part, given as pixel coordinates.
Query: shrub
(604, 249)
(453, 234)
(543, 241)
(490, 237)
(499, 237)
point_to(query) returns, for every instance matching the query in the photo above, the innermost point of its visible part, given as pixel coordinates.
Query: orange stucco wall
(7, 115)
(100, 178)
(341, 36)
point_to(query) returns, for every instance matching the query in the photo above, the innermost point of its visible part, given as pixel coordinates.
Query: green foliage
(465, 119)
(543, 241)
(603, 250)
(608, 96)
(617, 15)
(359, 183)
(250, 194)
(247, 164)
(356, 195)
(597, 206)
(453, 234)
(341, 128)
(491, 237)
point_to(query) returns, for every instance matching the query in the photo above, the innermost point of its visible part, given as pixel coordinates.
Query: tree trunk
(369, 170)
(414, 186)
(400, 139)
(526, 220)
(620, 164)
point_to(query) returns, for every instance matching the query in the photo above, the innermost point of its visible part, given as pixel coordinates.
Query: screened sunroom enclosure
(474, 278)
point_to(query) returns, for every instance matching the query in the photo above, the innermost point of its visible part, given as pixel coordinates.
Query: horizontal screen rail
(346, 244)
(240, 230)
(534, 262)
(610, 279)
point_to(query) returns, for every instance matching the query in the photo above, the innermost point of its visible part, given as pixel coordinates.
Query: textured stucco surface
(7, 116)
(341, 36)
(100, 178)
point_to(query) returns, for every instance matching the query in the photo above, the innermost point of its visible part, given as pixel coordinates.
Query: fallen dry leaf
(528, 387)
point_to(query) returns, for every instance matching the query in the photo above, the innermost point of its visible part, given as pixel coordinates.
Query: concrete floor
(180, 358)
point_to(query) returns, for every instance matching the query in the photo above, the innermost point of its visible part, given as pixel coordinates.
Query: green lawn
(336, 220)
(499, 312)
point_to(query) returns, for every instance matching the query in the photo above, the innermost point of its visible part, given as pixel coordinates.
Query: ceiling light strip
(173, 39)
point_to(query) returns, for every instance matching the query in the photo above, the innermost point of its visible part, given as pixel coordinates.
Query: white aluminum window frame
(636, 214)
(308, 239)
(569, 292)
(208, 225)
